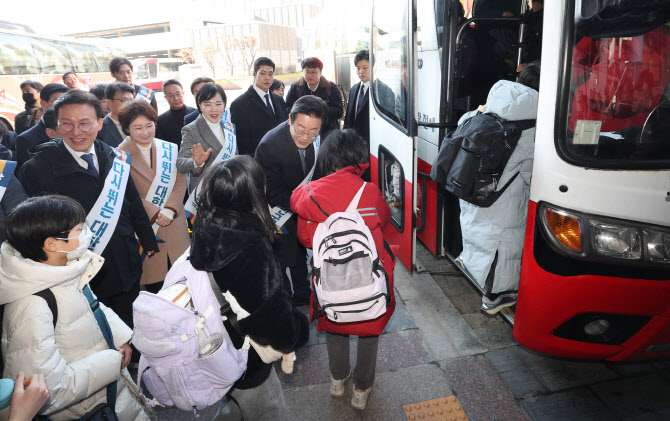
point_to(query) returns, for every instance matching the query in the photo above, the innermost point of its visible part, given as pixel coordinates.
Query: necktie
(267, 103)
(361, 95)
(302, 159)
(88, 157)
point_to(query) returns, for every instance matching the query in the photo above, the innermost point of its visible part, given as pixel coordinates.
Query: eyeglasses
(173, 96)
(121, 100)
(302, 133)
(312, 73)
(67, 127)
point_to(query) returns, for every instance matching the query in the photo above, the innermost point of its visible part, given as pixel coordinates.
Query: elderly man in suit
(258, 110)
(288, 157)
(171, 122)
(358, 111)
(117, 94)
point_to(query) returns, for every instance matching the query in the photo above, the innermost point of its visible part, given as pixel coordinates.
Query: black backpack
(472, 157)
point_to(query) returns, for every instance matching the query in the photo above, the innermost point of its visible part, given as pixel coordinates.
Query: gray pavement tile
(454, 284)
(635, 368)
(514, 372)
(639, 398)
(312, 403)
(480, 391)
(496, 337)
(573, 405)
(559, 374)
(401, 319)
(432, 263)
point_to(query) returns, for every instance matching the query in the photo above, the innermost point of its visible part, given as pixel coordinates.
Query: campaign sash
(227, 151)
(166, 174)
(104, 215)
(6, 172)
(281, 215)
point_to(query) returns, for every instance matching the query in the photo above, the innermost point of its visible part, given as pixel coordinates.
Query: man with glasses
(81, 167)
(171, 122)
(313, 83)
(117, 94)
(288, 157)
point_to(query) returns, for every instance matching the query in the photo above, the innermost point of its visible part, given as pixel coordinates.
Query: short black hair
(209, 91)
(530, 75)
(361, 55)
(33, 84)
(311, 63)
(172, 82)
(310, 105)
(117, 62)
(198, 81)
(77, 96)
(29, 225)
(50, 119)
(68, 73)
(50, 89)
(341, 149)
(276, 84)
(118, 88)
(99, 91)
(263, 61)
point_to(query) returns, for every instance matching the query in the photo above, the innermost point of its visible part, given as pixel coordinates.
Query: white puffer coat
(75, 358)
(500, 228)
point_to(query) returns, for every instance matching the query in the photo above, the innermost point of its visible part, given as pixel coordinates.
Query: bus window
(103, 57)
(390, 62)
(52, 56)
(392, 184)
(82, 58)
(16, 56)
(168, 67)
(618, 115)
(141, 71)
(153, 70)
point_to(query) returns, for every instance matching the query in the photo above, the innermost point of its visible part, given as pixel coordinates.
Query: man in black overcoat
(358, 111)
(258, 110)
(171, 122)
(286, 154)
(60, 167)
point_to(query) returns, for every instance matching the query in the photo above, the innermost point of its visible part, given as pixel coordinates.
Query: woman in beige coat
(165, 208)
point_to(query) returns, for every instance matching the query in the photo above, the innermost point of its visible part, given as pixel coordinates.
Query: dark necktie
(302, 159)
(88, 157)
(361, 95)
(267, 103)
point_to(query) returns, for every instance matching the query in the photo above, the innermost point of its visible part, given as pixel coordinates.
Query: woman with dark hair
(342, 160)
(203, 139)
(232, 237)
(278, 87)
(49, 325)
(31, 94)
(160, 185)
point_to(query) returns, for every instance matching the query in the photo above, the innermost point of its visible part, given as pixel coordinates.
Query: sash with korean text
(281, 215)
(6, 172)
(166, 174)
(104, 215)
(227, 151)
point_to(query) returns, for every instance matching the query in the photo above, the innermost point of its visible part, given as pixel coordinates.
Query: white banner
(166, 175)
(104, 215)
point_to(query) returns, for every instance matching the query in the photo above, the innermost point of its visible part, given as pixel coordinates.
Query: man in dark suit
(287, 155)
(358, 110)
(37, 134)
(258, 110)
(122, 70)
(195, 87)
(313, 83)
(117, 94)
(77, 166)
(171, 122)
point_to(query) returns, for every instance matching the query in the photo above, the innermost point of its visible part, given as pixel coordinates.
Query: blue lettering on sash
(165, 172)
(118, 173)
(98, 229)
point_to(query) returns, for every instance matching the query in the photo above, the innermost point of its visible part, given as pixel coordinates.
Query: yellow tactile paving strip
(442, 409)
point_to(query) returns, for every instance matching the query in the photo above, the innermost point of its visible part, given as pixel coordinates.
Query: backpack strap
(524, 124)
(354, 202)
(224, 305)
(314, 200)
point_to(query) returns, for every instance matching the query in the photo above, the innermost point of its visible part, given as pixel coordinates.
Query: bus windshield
(619, 109)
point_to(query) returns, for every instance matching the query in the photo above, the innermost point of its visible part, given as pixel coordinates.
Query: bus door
(393, 125)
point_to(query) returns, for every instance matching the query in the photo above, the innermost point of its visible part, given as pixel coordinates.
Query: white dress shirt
(262, 94)
(362, 91)
(77, 156)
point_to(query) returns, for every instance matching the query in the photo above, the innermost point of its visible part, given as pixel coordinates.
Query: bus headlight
(616, 241)
(658, 246)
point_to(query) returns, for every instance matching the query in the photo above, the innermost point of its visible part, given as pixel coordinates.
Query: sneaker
(360, 399)
(492, 307)
(337, 386)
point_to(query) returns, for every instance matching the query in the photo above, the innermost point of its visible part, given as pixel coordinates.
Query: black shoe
(300, 301)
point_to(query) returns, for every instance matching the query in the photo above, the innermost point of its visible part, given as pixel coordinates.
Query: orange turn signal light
(565, 229)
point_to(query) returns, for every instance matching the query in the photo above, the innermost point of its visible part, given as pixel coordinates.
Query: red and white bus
(153, 72)
(595, 276)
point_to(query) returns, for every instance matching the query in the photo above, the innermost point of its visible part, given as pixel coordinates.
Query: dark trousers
(299, 275)
(122, 303)
(366, 359)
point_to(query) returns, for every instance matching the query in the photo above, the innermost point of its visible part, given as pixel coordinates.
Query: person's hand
(520, 67)
(126, 351)
(150, 253)
(199, 155)
(27, 401)
(163, 220)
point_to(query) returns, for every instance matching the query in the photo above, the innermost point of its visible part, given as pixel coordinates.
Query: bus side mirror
(620, 18)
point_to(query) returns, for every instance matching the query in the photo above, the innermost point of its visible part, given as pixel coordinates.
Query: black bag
(472, 157)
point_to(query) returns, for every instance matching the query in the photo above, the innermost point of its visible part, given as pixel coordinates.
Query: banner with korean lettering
(166, 173)
(104, 215)
(228, 150)
(6, 172)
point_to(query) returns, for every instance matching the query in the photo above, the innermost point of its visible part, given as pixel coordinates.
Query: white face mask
(84, 242)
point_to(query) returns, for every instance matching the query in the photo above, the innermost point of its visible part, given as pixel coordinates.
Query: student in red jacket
(342, 159)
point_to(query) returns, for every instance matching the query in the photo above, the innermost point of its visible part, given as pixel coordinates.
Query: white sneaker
(337, 386)
(360, 399)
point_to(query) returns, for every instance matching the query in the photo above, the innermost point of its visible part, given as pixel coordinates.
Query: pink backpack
(349, 281)
(188, 359)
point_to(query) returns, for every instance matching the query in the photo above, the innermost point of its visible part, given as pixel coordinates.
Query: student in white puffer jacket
(44, 251)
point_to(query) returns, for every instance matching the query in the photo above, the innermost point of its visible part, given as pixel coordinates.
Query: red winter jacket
(334, 193)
